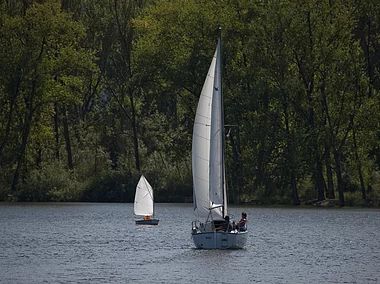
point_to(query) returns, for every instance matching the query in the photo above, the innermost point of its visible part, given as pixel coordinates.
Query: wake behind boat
(144, 204)
(213, 229)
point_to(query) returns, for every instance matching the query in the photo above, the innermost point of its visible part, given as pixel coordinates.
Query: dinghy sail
(144, 203)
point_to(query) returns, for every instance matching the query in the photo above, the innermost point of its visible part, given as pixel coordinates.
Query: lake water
(100, 243)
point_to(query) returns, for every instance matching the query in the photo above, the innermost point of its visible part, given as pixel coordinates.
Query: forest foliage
(95, 93)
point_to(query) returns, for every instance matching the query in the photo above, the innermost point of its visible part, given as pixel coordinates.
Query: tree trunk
(339, 177)
(330, 194)
(27, 123)
(309, 81)
(239, 163)
(320, 181)
(66, 134)
(134, 129)
(360, 171)
(7, 129)
(25, 136)
(14, 95)
(368, 57)
(56, 130)
(237, 166)
(336, 151)
(330, 184)
(293, 181)
(39, 158)
(289, 153)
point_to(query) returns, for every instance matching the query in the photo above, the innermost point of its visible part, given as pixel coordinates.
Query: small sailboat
(208, 166)
(144, 203)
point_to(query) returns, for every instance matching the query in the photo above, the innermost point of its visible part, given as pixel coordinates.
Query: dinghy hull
(147, 222)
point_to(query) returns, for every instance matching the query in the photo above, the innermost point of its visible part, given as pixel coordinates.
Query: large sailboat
(144, 203)
(208, 166)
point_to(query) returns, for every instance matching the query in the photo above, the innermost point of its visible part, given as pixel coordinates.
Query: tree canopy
(95, 93)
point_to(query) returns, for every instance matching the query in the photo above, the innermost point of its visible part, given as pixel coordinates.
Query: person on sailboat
(242, 224)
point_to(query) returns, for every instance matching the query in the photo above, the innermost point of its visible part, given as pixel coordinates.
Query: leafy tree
(44, 63)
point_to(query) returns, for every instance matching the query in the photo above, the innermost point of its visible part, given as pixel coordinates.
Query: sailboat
(144, 203)
(208, 166)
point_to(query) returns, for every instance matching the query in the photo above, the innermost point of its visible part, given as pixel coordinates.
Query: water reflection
(100, 243)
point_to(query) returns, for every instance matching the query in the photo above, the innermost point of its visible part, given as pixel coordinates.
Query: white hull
(220, 240)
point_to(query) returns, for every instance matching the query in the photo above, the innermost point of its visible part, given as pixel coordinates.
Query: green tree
(45, 65)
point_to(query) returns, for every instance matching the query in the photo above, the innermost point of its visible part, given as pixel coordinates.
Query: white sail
(207, 148)
(143, 198)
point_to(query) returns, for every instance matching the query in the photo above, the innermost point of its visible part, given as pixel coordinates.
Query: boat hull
(220, 240)
(147, 222)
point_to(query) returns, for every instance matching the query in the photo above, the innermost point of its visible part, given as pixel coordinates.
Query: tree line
(96, 92)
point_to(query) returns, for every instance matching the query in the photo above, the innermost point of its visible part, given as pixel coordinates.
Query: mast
(223, 175)
(216, 172)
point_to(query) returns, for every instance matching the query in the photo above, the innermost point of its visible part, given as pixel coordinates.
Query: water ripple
(100, 243)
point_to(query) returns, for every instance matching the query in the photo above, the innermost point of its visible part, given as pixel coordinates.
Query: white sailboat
(209, 185)
(144, 203)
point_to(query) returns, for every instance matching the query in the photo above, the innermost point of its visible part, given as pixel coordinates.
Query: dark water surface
(100, 243)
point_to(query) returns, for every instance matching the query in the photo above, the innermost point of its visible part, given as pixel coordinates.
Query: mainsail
(207, 150)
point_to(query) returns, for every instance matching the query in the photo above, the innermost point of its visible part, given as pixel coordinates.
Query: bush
(353, 199)
(112, 187)
(51, 183)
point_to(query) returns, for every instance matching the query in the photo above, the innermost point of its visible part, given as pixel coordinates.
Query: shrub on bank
(52, 183)
(112, 187)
